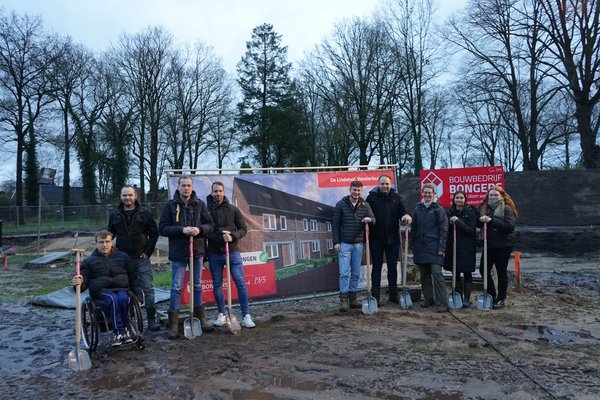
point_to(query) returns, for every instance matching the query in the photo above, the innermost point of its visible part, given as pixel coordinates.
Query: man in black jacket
(137, 234)
(108, 273)
(230, 227)
(349, 218)
(183, 217)
(385, 236)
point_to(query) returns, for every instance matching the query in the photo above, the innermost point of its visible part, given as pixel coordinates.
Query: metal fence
(56, 218)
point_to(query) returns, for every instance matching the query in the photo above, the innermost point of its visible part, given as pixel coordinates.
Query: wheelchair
(97, 329)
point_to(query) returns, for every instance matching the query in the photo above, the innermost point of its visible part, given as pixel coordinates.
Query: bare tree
(65, 74)
(24, 58)
(145, 61)
(505, 47)
(409, 25)
(574, 27)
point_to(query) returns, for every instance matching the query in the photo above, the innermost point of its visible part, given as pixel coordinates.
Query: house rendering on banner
(287, 227)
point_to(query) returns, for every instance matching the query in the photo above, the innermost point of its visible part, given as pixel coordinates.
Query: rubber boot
(199, 312)
(393, 292)
(173, 331)
(344, 302)
(354, 304)
(151, 316)
(376, 292)
(468, 288)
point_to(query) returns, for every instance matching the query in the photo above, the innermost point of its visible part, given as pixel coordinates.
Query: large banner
(288, 249)
(475, 182)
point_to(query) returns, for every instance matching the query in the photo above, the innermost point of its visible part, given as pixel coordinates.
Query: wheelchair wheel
(136, 321)
(90, 328)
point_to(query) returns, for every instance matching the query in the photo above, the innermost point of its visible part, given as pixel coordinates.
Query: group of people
(432, 237)
(110, 272)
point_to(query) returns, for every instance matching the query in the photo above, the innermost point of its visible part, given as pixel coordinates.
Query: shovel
(484, 300)
(79, 360)
(232, 323)
(404, 298)
(369, 304)
(191, 325)
(454, 298)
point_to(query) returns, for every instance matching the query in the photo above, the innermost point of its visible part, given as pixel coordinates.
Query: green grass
(162, 279)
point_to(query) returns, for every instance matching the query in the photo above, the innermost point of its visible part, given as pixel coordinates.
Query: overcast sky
(226, 25)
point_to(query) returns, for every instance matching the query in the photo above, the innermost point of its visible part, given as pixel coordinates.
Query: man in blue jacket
(351, 214)
(183, 216)
(137, 234)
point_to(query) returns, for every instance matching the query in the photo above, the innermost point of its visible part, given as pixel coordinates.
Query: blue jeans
(217, 263)
(349, 259)
(392, 252)
(144, 272)
(117, 303)
(178, 270)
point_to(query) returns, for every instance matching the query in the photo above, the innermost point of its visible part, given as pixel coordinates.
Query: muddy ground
(544, 345)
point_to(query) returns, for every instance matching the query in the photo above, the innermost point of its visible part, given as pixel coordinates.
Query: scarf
(497, 209)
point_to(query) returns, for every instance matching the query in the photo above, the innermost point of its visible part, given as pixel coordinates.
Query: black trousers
(498, 257)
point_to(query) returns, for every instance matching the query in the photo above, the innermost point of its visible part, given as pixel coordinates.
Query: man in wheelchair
(109, 273)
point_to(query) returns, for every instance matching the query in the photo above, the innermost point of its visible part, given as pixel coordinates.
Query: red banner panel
(260, 281)
(475, 182)
(343, 179)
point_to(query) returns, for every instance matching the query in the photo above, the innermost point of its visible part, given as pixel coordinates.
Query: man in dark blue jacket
(108, 273)
(349, 218)
(137, 234)
(428, 243)
(385, 236)
(183, 217)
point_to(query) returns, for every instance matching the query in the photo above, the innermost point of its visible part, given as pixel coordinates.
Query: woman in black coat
(499, 212)
(463, 217)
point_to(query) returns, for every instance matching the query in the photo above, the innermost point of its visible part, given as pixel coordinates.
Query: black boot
(200, 313)
(173, 331)
(354, 304)
(376, 292)
(344, 302)
(468, 288)
(151, 316)
(393, 292)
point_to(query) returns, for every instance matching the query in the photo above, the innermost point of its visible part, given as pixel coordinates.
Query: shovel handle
(405, 269)
(191, 283)
(228, 277)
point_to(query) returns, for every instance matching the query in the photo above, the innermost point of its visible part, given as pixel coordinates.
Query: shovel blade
(404, 300)
(192, 328)
(484, 302)
(369, 306)
(454, 301)
(233, 324)
(79, 360)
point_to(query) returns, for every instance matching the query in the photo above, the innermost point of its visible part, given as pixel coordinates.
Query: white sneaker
(247, 322)
(220, 321)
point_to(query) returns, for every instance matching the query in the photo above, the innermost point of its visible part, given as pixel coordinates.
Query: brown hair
(460, 192)
(217, 183)
(103, 234)
(357, 184)
(508, 202)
